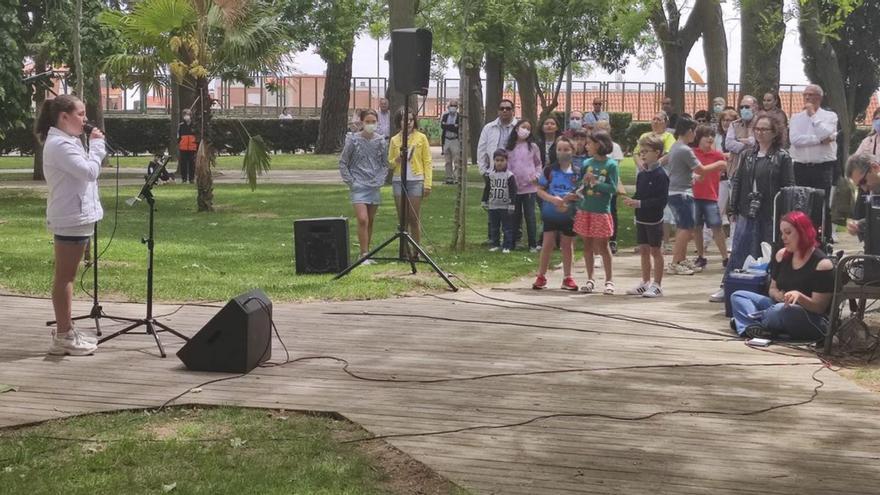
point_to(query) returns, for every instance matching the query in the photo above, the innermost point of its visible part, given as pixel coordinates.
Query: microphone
(88, 127)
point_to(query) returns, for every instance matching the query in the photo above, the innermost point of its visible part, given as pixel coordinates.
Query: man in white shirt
(597, 115)
(813, 137)
(383, 127)
(493, 136)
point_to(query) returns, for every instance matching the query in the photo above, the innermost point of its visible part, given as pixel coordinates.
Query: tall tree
(676, 42)
(762, 31)
(715, 51)
(841, 49)
(13, 96)
(229, 40)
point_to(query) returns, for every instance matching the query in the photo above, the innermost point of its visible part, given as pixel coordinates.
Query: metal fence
(303, 96)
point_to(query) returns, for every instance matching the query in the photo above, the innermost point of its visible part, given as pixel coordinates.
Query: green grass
(246, 243)
(306, 161)
(189, 451)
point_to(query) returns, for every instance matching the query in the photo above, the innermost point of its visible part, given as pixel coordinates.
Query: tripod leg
(433, 265)
(98, 326)
(124, 330)
(155, 335)
(365, 258)
(171, 331)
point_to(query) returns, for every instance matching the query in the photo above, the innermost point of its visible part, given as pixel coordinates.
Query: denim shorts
(707, 212)
(414, 188)
(367, 195)
(682, 206)
(71, 239)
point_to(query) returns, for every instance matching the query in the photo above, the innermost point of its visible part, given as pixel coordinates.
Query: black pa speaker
(320, 245)
(236, 339)
(411, 60)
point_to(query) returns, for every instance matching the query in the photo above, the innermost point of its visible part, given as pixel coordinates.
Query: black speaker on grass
(411, 60)
(320, 245)
(236, 339)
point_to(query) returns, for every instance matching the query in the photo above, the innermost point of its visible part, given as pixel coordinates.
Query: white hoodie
(72, 176)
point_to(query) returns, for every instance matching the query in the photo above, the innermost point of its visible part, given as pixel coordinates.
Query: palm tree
(192, 42)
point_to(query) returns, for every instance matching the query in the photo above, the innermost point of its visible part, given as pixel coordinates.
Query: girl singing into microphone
(73, 207)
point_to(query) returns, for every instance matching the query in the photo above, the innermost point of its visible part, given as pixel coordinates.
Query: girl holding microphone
(73, 207)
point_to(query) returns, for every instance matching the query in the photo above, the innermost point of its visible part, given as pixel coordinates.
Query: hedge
(144, 134)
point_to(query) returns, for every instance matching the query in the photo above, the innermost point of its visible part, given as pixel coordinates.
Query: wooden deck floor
(626, 370)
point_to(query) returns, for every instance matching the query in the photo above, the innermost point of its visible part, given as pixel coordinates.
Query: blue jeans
(794, 321)
(525, 207)
(501, 221)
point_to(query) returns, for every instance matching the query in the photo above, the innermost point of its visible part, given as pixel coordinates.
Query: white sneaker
(369, 262)
(70, 343)
(535, 250)
(717, 297)
(680, 269)
(639, 289)
(692, 266)
(494, 249)
(505, 251)
(653, 291)
(84, 337)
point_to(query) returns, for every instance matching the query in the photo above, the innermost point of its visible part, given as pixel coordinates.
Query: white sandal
(609, 288)
(588, 287)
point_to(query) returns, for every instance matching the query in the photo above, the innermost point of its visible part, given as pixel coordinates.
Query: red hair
(805, 230)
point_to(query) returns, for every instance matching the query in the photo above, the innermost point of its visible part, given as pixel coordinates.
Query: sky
(364, 64)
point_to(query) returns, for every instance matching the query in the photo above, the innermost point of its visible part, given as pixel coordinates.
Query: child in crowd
(524, 161)
(652, 189)
(499, 195)
(556, 188)
(580, 150)
(617, 154)
(593, 219)
(706, 210)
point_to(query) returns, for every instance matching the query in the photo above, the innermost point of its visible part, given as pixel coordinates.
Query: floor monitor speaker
(236, 339)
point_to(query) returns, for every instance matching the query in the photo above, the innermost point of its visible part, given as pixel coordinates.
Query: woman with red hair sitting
(801, 285)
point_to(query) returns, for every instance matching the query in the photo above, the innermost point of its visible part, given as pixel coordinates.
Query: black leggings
(187, 166)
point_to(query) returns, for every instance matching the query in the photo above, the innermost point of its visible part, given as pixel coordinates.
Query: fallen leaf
(168, 488)
(237, 443)
(7, 388)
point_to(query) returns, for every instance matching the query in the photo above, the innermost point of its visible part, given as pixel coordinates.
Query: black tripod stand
(149, 321)
(403, 235)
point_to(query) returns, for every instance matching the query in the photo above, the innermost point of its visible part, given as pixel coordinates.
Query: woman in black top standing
(762, 173)
(546, 140)
(801, 286)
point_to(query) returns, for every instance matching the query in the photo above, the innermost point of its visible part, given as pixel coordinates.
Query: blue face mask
(746, 114)
(574, 124)
(876, 125)
(718, 108)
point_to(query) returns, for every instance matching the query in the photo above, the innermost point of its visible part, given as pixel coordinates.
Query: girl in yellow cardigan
(418, 172)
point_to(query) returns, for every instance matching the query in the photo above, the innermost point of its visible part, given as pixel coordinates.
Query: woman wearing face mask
(871, 144)
(188, 145)
(771, 107)
(419, 173)
(72, 208)
(363, 168)
(718, 104)
(524, 162)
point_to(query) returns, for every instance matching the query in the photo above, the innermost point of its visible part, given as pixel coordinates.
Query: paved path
(643, 406)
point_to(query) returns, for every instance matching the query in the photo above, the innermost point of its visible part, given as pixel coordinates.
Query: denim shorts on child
(682, 206)
(706, 212)
(414, 188)
(364, 195)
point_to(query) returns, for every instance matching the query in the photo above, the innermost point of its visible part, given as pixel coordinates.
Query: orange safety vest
(188, 143)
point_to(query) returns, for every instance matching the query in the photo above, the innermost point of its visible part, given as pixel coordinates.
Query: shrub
(633, 132)
(147, 134)
(620, 122)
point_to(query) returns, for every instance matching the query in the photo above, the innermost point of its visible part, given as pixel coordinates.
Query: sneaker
(691, 265)
(535, 250)
(505, 251)
(568, 283)
(653, 291)
(368, 262)
(758, 332)
(701, 262)
(638, 290)
(540, 282)
(680, 268)
(494, 249)
(613, 246)
(717, 297)
(83, 336)
(70, 343)
(724, 262)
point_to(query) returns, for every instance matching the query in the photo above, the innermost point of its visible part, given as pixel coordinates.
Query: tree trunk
(173, 123)
(823, 68)
(763, 31)
(40, 63)
(715, 52)
(334, 109)
(459, 228)
(76, 46)
(494, 80)
(674, 67)
(527, 83)
(94, 103)
(475, 113)
(205, 154)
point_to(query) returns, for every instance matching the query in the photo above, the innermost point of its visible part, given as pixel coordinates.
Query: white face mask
(369, 128)
(187, 118)
(453, 109)
(523, 133)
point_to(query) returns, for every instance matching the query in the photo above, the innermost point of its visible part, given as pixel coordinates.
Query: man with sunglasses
(864, 171)
(813, 138)
(493, 136)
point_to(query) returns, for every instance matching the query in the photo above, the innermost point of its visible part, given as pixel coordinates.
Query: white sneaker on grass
(494, 249)
(653, 291)
(639, 289)
(505, 251)
(70, 343)
(368, 262)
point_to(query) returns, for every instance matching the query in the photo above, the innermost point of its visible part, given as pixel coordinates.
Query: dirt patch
(265, 214)
(178, 428)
